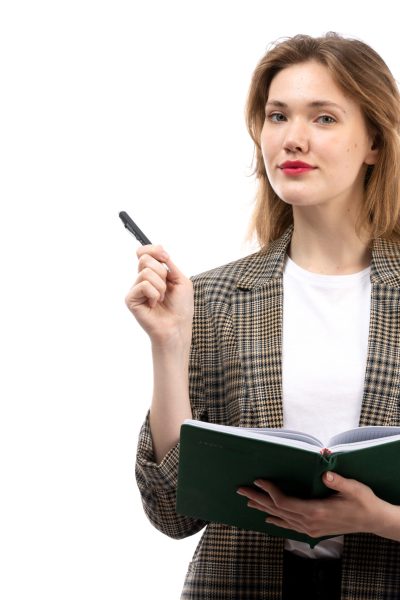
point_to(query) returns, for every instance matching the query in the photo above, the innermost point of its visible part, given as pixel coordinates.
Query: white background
(109, 106)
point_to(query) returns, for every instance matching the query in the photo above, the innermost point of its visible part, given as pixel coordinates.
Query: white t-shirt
(324, 355)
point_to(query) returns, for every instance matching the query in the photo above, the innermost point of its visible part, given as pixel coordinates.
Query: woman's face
(333, 139)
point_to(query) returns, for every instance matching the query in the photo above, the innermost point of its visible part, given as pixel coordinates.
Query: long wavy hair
(363, 75)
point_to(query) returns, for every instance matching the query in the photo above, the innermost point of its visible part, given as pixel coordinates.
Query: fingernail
(258, 482)
(240, 493)
(164, 255)
(329, 476)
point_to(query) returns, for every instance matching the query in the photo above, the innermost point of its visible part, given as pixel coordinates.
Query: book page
(365, 436)
(290, 434)
(286, 437)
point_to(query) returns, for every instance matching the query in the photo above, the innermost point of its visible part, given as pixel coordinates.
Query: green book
(214, 460)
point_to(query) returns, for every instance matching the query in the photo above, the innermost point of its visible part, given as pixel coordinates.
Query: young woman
(304, 334)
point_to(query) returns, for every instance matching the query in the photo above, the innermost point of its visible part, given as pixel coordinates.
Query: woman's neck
(328, 249)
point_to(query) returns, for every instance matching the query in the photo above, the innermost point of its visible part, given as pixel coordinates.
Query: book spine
(327, 462)
(328, 458)
(325, 453)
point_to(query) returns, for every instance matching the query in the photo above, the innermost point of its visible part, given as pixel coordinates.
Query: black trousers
(311, 578)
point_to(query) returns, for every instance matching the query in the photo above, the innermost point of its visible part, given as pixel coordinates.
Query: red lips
(295, 164)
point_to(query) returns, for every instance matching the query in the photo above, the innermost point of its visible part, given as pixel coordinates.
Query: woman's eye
(271, 116)
(279, 117)
(332, 120)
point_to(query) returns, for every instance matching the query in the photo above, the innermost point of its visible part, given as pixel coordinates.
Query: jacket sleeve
(157, 482)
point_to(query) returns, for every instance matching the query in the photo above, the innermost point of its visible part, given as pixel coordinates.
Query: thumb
(341, 484)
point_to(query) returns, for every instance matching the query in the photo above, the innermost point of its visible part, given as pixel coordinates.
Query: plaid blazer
(235, 379)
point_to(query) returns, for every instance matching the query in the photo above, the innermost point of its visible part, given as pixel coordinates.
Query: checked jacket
(235, 379)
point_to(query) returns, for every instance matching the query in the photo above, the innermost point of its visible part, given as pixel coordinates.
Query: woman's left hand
(353, 509)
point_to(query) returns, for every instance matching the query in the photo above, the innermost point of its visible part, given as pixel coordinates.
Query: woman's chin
(299, 200)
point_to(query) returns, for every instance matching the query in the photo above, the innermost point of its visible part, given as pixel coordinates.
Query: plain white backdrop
(109, 106)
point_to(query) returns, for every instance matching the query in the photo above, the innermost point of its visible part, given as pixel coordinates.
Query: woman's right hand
(161, 300)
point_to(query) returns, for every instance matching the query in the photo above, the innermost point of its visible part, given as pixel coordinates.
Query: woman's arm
(163, 304)
(170, 405)
(157, 479)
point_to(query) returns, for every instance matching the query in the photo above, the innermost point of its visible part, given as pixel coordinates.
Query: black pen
(131, 226)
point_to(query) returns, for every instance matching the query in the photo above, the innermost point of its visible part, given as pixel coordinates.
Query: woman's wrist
(177, 343)
(387, 522)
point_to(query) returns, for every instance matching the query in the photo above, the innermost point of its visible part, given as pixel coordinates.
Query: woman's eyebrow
(313, 104)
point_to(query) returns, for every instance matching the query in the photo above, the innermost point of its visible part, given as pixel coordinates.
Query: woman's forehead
(310, 84)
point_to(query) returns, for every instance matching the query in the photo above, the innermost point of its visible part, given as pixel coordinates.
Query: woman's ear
(376, 141)
(372, 155)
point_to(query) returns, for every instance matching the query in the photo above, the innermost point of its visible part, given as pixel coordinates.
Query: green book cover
(215, 460)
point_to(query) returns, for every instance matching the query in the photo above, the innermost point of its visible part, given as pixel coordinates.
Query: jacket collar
(269, 264)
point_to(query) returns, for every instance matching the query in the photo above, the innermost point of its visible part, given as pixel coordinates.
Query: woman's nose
(296, 137)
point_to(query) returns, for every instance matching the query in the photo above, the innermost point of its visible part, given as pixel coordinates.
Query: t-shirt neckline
(294, 269)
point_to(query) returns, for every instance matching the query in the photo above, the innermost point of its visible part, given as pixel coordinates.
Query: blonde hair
(363, 75)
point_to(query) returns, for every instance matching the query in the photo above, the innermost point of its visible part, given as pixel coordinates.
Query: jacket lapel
(257, 312)
(382, 378)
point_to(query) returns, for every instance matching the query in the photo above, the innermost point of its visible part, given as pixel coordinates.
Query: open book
(217, 459)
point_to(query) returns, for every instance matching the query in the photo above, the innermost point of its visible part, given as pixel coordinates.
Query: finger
(277, 522)
(155, 273)
(285, 520)
(157, 251)
(264, 501)
(148, 274)
(147, 261)
(273, 491)
(262, 506)
(285, 524)
(281, 500)
(278, 504)
(271, 510)
(141, 293)
(276, 512)
(158, 259)
(253, 494)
